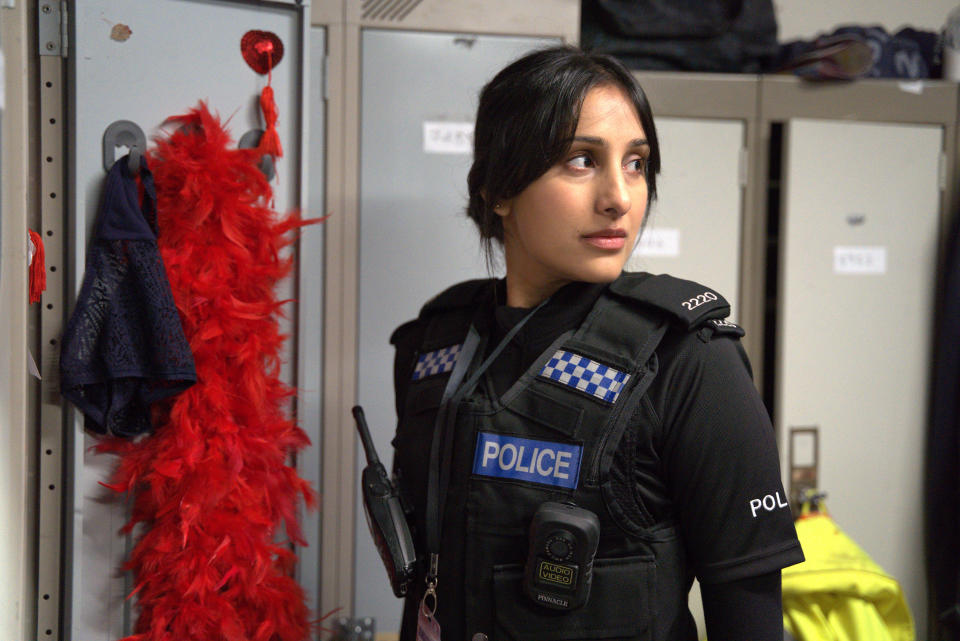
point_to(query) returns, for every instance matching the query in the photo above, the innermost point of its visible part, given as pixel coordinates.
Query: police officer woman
(575, 442)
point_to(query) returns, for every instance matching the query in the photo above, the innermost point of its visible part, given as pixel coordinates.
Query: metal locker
(860, 224)
(418, 95)
(143, 62)
(693, 228)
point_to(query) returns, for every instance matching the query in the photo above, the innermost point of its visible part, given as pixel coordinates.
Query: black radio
(385, 518)
(563, 542)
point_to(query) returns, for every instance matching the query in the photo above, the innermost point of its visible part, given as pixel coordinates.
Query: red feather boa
(211, 485)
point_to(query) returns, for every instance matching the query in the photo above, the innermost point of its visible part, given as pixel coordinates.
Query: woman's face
(579, 220)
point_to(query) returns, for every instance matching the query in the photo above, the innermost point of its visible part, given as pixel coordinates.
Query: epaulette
(399, 333)
(467, 294)
(688, 303)
(464, 294)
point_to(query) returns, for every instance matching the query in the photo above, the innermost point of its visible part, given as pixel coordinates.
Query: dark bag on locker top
(736, 36)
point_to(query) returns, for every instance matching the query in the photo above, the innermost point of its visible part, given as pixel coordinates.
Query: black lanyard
(443, 433)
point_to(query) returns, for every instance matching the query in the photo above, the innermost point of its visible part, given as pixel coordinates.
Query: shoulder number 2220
(697, 301)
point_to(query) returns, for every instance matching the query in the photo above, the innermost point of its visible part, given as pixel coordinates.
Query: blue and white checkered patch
(439, 361)
(579, 372)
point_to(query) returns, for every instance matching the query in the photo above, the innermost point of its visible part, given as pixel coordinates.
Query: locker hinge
(52, 27)
(743, 169)
(942, 170)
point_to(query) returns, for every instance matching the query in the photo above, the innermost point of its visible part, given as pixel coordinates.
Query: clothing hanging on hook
(124, 346)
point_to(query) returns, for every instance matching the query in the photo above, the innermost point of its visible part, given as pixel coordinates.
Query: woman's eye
(580, 162)
(638, 165)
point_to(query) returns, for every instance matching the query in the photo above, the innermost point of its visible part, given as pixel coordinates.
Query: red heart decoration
(262, 50)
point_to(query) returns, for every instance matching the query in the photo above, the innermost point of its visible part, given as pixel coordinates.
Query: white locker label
(914, 87)
(659, 242)
(447, 137)
(859, 260)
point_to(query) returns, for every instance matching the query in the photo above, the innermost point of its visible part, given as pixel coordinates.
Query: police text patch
(523, 459)
(439, 361)
(579, 372)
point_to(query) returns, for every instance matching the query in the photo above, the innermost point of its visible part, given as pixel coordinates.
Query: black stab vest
(641, 578)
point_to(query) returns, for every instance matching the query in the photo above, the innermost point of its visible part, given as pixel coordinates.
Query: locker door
(143, 62)
(858, 266)
(693, 228)
(415, 239)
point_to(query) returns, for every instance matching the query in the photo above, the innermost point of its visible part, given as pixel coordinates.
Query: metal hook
(250, 140)
(122, 133)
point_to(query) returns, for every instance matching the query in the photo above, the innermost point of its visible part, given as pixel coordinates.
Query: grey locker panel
(858, 267)
(178, 53)
(310, 312)
(414, 237)
(693, 228)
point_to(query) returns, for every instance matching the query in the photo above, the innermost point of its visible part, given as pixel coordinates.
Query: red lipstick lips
(612, 239)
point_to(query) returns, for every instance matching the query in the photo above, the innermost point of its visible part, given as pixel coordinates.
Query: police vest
(550, 437)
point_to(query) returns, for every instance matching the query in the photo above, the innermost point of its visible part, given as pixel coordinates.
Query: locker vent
(389, 10)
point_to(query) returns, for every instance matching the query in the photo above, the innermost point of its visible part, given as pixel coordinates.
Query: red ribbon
(38, 268)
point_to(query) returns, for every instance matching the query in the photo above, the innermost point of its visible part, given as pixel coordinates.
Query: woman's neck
(527, 294)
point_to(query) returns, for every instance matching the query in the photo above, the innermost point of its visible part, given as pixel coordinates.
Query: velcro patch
(579, 372)
(723, 326)
(524, 459)
(439, 361)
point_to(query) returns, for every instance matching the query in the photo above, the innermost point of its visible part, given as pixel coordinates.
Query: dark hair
(526, 121)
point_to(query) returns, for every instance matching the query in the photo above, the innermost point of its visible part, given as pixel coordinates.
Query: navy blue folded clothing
(124, 346)
(908, 53)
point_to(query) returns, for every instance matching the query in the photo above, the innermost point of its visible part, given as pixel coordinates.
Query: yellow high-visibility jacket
(839, 593)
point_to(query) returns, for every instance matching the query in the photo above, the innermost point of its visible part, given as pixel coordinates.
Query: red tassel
(38, 268)
(270, 142)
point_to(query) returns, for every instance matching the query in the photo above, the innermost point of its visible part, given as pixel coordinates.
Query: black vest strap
(436, 492)
(453, 394)
(614, 331)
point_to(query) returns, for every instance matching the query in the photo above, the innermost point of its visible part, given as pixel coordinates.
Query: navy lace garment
(124, 347)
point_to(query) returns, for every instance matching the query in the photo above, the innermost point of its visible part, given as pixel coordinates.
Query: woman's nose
(614, 198)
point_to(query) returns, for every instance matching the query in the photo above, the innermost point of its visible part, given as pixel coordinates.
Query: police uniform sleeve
(750, 608)
(720, 461)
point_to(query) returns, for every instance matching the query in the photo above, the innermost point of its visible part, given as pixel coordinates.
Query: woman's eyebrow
(600, 142)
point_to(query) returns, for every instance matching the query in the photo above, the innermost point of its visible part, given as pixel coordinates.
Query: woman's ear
(502, 208)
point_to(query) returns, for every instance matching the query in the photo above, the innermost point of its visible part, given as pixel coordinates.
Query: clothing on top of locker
(124, 347)
(908, 53)
(693, 482)
(731, 36)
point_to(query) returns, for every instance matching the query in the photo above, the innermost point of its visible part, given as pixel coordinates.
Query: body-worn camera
(385, 518)
(563, 542)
